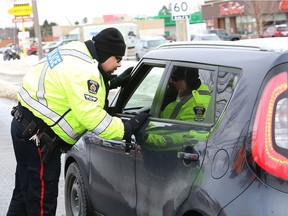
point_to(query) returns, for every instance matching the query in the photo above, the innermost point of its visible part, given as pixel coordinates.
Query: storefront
(241, 16)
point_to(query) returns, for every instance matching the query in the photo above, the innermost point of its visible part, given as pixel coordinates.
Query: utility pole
(37, 29)
(182, 30)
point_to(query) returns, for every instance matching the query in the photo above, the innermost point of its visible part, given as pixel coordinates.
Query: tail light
(269, 144)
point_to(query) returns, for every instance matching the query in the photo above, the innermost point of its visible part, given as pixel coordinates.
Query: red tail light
(270, 129)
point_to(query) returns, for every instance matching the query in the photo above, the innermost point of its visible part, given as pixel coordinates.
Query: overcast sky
(64, 11)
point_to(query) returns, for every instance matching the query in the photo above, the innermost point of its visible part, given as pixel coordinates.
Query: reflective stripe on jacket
(68, 78)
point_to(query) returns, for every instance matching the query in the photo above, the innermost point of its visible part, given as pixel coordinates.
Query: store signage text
(233, 8)
(22, 19)
(283, 6)
(20, 10)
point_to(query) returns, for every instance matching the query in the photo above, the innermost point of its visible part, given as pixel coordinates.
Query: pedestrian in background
(62, 97)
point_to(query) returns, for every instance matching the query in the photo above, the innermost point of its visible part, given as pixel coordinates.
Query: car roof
(226, 53)
(156, 37)
(270, 43)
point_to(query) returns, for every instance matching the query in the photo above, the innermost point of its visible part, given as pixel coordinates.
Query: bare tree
(255, 8)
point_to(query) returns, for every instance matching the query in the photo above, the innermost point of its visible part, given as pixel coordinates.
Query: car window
(221, 32)
(144, 94)
(188, 94)
(212, 99)
(217, 85)
(155, 43)
(283, 29)
(226, 84)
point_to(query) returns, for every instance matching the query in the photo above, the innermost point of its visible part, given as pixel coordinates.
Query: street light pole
(37, 29)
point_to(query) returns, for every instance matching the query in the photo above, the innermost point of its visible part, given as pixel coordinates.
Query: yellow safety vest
(68, 78)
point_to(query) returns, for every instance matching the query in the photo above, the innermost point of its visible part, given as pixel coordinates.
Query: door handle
(188, 156)
(130, 145)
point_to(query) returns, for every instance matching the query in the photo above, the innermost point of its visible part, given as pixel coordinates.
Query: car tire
(75, 192)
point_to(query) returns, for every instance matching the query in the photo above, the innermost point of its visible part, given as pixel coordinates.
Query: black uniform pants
(36, 184)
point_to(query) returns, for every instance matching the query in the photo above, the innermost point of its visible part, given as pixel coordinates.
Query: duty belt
(28, 124)
(42, 136)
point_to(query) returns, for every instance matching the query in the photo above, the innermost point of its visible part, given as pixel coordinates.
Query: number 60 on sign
(180, 10)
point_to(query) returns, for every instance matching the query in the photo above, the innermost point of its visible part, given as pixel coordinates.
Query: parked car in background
(223, 34)
(206, 37)
(10, 45)
(47, 45)
(232, 162)
(11, 52)
(276, 31)
(32, 50)
(53, 45)
(146, 44)
(2, 49)
(169, 38)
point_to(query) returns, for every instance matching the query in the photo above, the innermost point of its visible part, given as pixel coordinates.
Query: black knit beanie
(109, 42)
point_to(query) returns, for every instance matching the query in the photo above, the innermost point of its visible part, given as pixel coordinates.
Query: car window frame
(122, 97)
(210, 116)
(125, 93)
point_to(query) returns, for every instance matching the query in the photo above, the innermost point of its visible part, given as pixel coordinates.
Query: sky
(64, 12)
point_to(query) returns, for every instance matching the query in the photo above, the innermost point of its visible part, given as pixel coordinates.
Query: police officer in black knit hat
(61, 98)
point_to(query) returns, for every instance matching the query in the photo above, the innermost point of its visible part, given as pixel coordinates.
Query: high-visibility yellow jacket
(68, 78)
(192, 107)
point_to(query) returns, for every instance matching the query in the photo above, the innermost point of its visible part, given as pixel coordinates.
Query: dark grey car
(234, 162)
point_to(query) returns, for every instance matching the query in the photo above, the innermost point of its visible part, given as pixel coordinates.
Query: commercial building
(242, 16)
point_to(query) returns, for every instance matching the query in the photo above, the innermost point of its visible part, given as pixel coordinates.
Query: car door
(169, 153)
(169, 159)
(112, 163)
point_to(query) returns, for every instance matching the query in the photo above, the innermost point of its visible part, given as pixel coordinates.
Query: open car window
(143, 96)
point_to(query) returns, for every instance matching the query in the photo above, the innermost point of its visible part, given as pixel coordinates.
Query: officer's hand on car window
(131, 126)
(122, 79)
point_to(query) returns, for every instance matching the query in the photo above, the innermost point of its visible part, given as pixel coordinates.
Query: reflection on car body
(217, 166)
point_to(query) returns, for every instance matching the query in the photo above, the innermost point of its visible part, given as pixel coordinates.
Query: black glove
(122, 79)
(131, 126)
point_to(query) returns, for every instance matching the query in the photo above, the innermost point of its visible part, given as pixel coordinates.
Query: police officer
(62, 97)
(192, 99)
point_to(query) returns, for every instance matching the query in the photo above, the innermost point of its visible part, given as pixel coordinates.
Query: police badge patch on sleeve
(93, 86)
(199, 111)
